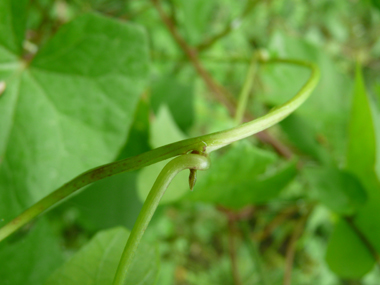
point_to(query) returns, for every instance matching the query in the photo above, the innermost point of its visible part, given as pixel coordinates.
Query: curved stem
(187, 161)
(202, 144)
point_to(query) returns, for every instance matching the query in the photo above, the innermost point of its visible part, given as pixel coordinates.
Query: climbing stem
(187, 161)
(202, 144)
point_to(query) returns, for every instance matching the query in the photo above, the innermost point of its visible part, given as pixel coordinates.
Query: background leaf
(12, 29)
(114, 201)
(254, 183)
(97, 261)
(57, 48)
(346, 254)
(75, 99)
(177, 96)
(361, 151)
(281, 81)
(301, 134)
(29, 258)
(376, 3)
(163, 131)
(195, 16)
(341, 191)
(361, 159)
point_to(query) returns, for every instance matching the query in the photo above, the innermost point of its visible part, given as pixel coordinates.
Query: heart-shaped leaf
(69, 108)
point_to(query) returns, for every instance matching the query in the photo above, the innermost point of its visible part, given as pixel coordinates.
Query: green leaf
(12, 27)
(109, 202)
(362, 152)
(31, 258)
(195, 17)
(339, 190)
(97, 261)
(138, 138)
(163, 131)
(376, 4)
(113, 200)
(177, 96)
(241, 177)
(302, 135)
(346, 254)
(70, 108)
(282, 81)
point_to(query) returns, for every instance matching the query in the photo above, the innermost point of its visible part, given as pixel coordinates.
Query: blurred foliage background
(292, 206)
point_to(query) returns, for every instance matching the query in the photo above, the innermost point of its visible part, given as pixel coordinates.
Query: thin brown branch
(277, 220)
(173, 12)
(233, 217)
(218, 91)
(191, 53)
(242, 214)
(291, 249)
(211, 41)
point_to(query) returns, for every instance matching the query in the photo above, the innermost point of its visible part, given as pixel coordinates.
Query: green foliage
(341, 191)
(31, 257)
(66, 105)
(94, 81)
(108, 203)
(361, 158)
(361, 151)
(346, 253)
(163, 131)
(303, 136)
(280, 82)
(97, 261)
(113, 201)
(195, 16)
(253, 183)
(376, 3)
(178, 97)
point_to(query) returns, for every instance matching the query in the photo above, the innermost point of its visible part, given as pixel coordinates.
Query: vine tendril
(187, 161)
(202, 144)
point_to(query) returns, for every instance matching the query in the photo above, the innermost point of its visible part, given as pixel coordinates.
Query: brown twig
(291, 249)
(173, 12)
(191, 53)
(161, 56)
(275, 222)
(233, 217)
(242, 214)
(218, 91)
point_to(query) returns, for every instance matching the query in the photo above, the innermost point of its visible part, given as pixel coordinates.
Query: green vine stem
(187, 161)
(202, 144)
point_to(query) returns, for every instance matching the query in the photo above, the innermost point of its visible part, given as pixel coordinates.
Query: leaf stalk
(187, 161)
